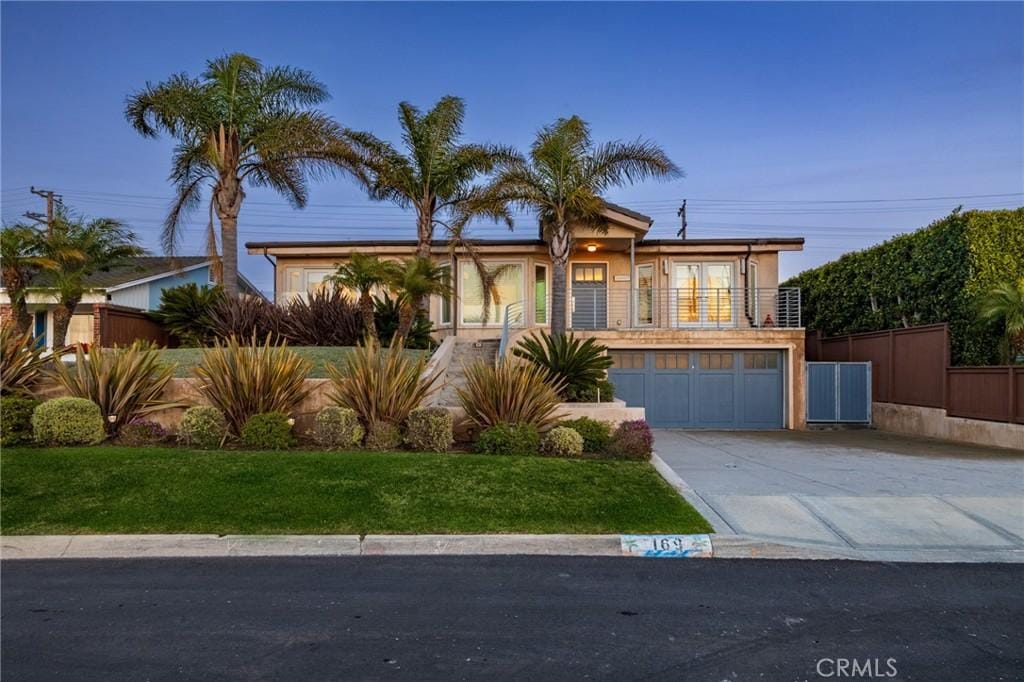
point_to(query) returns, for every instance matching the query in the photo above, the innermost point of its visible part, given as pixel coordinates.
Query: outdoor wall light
(591, 248)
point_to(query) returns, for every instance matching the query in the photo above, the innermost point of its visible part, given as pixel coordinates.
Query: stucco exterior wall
(933, 422)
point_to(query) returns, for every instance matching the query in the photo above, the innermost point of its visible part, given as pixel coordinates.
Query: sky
(843, 123)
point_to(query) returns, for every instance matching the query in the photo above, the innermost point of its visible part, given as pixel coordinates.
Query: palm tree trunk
(406, 314)
(558, 248)
(16, 293)
(424, 235)
(229, 257)
(62, 320)
(369, 321)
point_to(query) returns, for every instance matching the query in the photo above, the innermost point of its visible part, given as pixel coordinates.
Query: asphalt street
(538, 618)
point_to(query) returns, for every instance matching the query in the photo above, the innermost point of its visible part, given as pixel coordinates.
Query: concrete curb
(206, 546)
(719, 524)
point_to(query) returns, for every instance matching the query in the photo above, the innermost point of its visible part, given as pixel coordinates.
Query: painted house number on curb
(681, 546)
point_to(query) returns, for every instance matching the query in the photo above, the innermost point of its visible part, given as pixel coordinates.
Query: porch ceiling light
(591, 248)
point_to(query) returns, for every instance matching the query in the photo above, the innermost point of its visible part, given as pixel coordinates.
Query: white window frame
(522, 291)
(636, 292)
(442, 308)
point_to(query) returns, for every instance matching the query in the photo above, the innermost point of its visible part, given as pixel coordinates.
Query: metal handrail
(513, 315)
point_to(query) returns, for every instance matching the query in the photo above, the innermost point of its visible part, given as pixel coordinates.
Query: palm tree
(239, 124)
(415, 280)
(79, 248)
(21, 259)
(362, 273)
(436, 172)
(1004, 303)
(563, 181)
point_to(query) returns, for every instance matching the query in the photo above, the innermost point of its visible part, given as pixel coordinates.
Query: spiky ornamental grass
(509, 393)
(21, 363)
(245, 379)
(383, 385)
(126, 383)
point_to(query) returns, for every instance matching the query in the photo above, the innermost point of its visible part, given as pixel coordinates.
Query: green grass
(167, 490)
(187, 358)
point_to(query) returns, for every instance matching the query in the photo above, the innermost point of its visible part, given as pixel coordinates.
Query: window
(627, 359)
(718, 280)
(446, 301)
(305, 281)
(506, 289)
(716, 360)
(79, 329)
(671, 361)
(760, 360)
(645, 294)
(540, 294)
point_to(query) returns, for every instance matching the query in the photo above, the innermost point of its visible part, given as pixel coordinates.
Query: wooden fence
(115, 325)
(911, 367)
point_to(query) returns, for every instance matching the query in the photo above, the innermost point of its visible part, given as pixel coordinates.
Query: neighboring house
(137, 285)
(700, 333)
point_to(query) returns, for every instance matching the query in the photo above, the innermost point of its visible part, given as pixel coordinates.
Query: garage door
(702, 389)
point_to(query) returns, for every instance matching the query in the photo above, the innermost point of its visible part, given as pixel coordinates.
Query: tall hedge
(935, 274)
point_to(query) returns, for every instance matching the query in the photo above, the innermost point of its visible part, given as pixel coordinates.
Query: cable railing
(697, 308)
(513, 318)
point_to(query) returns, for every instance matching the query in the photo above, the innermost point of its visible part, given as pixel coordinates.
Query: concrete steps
(465, 354)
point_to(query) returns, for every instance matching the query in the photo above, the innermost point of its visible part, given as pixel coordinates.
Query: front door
(589, 296)
(40, 328)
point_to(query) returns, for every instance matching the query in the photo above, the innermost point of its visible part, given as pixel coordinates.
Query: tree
(415, 280)
(435, 175)
(239, 124)
(79, 248)
(563, 181)
(1004, 304)
(362, 273)
(185, 311)
(21, 258)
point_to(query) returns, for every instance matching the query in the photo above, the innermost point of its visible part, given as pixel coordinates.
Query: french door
(702, 295)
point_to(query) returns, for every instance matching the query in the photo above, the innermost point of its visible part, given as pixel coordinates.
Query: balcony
(596, 307)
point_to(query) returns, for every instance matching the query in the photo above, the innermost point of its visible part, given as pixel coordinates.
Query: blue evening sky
(775, 111)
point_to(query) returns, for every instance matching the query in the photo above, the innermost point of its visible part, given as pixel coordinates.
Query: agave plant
(21, 363)
(509, 393)
(241, 380)
(383, 385)
(578, 365)
(127, 383)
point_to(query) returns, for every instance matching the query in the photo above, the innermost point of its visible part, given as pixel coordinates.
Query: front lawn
(167, 490)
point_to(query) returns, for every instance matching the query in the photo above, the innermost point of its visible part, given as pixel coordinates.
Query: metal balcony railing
(726, 308)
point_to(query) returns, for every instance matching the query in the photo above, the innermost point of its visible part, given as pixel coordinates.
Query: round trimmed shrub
(338, 427)
(203, 427)
(596, 434)
(561, 441)
(383, 436)
(508, 439)
(16, 420)
(139, 432)
(68, 421)
(430, 429)
(632, 440)
(268, 431)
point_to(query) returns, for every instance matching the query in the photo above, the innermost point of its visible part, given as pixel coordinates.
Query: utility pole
(682, 220)
(51, 198)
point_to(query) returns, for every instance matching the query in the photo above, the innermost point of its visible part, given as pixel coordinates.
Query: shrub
(126, 383)
(508, 439)
(325, 318)
(185, 312)
(142, 432)
(632, 440)
(430, 429)
(383, 436)
(386, 314)
(203, 427)
(578, 365)
(509, 393)
(561, 441)
(242, 380)
(603, 391)
(68, 421)
(21, 363)
(596, 434)
(380, 384)
(268, 431)
(16, 420)
(246, 317)
(338, 427)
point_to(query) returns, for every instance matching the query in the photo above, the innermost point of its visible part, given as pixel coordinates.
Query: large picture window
(507, 289)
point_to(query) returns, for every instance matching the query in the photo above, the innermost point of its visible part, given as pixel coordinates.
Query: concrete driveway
(873, 493)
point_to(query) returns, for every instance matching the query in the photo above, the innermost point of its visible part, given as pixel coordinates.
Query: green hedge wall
(935, 274)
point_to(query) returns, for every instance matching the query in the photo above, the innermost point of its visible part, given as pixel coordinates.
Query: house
(700, 333)
(136, 285)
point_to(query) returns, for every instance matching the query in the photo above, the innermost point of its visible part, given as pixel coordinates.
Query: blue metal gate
(702, 389)
(839, 392)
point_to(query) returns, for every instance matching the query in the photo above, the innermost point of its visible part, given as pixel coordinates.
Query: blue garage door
(702, 389)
